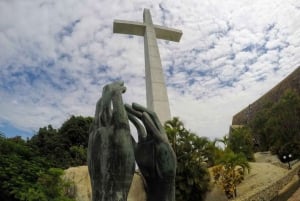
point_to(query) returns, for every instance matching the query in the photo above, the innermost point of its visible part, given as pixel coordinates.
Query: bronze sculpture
(153, 154)
(112, 150)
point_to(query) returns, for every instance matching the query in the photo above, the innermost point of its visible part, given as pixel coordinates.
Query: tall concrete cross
(156, 91)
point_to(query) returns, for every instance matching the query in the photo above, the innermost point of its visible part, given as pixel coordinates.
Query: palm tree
(232, 161)
(192, 177)
(224, 141)
(231, 172)
(173, 128)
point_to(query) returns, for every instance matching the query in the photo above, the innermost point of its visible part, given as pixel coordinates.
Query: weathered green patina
(110, 149)
(154, 154)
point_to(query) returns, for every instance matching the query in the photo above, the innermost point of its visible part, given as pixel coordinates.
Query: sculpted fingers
(151, 127)
(153, 116)
(132, 111)
(140, 129)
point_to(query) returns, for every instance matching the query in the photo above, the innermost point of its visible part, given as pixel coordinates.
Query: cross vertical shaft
(157, 98)
(156, 91)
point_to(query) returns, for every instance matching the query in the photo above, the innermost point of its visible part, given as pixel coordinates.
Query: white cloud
(56, 56)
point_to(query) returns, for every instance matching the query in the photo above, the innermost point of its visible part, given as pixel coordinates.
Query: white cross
(156, 91)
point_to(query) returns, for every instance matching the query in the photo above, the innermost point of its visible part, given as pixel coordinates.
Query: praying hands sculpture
(112, 151)
(110, 148)
(153, 154)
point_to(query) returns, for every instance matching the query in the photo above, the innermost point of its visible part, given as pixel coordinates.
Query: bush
(25, 176)
(230, 172)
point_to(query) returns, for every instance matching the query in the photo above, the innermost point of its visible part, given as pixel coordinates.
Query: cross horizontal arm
(167, 33)
(129, 27)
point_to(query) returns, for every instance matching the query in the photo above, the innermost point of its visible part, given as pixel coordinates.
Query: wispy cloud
(56, 56)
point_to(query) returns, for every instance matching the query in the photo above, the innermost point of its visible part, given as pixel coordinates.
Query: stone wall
(271, 191)
(292, 81)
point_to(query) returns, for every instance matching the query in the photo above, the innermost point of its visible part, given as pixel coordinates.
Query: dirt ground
(266, 169)
(261, 175)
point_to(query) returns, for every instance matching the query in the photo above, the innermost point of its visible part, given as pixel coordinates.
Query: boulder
(81, 188)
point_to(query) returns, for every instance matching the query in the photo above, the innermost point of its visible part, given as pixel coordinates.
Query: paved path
(295, 196)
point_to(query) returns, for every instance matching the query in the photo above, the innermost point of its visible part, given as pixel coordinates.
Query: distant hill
(292, 81)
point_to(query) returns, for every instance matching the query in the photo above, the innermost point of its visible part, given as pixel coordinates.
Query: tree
(66, 146)
(240, 140)
(192, 178)
(75, 131)
(230, 172)
(278, 123)
(284, 121)
(257, 126)
(23, 173)
(26, 168)
(46, 142)
(53, 186)
(224, 141)
(231, 161)
(74, 135)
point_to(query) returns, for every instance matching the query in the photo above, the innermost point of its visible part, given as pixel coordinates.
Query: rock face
(82, 185)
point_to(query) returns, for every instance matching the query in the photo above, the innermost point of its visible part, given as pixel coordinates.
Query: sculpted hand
(110, 149)
(154, 154)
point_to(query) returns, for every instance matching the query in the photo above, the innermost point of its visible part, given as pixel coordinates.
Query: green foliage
(78, 154)
(230, 160)
(230, 172)
(66, 146)
(240, 140)
(26, 168)
(26, 176)
(75, 131)
(279, 123)
(192, 178)
(258, 128)
(53, 185)
(284, 122)
(48, 187)
(46, 143)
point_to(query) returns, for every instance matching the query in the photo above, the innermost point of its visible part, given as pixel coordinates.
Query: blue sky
(55, 57)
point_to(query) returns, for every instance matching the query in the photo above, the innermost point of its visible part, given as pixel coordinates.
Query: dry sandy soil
(265, 170)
